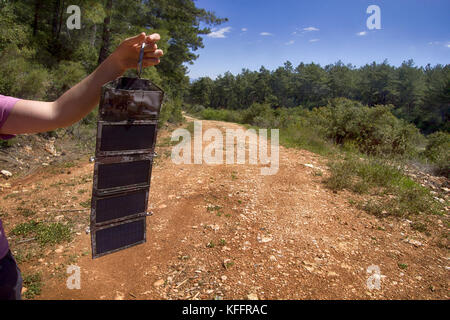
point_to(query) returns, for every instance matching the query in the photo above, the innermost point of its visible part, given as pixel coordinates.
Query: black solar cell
(120, 236)
(120, 206)
(127, 137)
(113, 175)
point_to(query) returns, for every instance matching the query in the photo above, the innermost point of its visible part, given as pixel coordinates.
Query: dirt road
(228, 232)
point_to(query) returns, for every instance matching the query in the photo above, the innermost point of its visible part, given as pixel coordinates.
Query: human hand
(126, 55)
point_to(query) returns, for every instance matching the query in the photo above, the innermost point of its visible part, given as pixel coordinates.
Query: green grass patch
(400, 195)
(86, 204)
(402, 266)
(33, 283)
(419, 226)
(44, 233)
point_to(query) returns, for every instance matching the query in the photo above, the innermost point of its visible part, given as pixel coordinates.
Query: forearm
(30, 116)
(77, 102)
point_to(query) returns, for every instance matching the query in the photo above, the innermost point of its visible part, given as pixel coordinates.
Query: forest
(420, 95)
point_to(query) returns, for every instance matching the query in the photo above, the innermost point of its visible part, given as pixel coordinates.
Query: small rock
(224, 278)
(264, 239)
(162, 206)
(119, 296)
(59, 250)
(6, 173)
(414, 242)
(158, 283)
(252, 296)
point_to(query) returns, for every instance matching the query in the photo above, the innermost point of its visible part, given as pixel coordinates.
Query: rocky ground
(228, 232)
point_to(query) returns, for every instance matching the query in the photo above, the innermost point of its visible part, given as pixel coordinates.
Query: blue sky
(269, 33)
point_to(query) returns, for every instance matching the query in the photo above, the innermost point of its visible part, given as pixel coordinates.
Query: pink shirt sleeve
(6, 105)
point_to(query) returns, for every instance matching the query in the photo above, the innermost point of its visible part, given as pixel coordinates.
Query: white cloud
(438, 43)
(244, 29)
(314, 40)
(266, 34)
(289, 42)
(308, 29)
(362, 33)
(219, 33)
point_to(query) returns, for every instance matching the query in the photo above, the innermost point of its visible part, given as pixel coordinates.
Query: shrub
(195, 109)
(437, 151)
(256, 110)
(66, 75)
(221, 114)
(24, 79)
(375, 130)
(171, 112)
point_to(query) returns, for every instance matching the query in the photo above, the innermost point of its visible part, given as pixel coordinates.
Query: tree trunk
(106, 33)
(55, 20)
(60, 20)
(37, 6)
(94, 35)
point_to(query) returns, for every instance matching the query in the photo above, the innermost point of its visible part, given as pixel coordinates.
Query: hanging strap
(141, 58)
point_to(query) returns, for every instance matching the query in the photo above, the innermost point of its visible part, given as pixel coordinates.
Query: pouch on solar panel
(126, 135)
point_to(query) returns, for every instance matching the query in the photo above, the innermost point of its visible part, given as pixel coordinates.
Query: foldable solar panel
(126, 135)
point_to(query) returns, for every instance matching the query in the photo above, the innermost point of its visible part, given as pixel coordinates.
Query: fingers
(154, 54)
(150, 62)
(150, 47)
(152, 38)
(136, 39)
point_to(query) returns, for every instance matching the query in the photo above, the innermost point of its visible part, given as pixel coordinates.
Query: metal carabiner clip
(141, 58)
